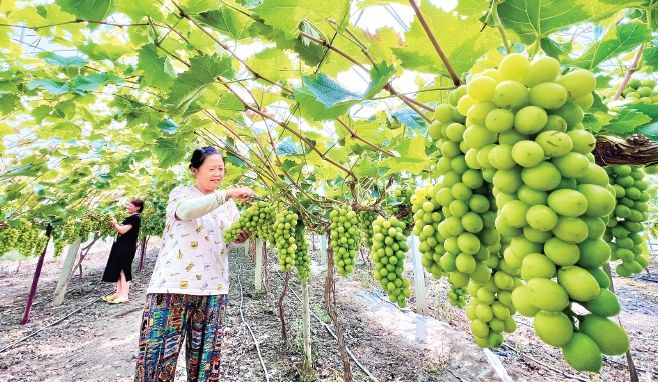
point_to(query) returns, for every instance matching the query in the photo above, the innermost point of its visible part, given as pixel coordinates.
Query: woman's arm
(120, 228)
(197, 207)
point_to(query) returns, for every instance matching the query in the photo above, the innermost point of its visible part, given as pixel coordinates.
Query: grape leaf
(620, 39)
(203, 72)
(169, 151)
(52, 87)
(287, 15)
(157, 70)
(459, 38)
(536, 19)
(626, 122)
(87, 9)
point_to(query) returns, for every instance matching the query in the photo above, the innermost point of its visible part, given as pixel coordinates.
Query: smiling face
(210, 174)
(131, 208)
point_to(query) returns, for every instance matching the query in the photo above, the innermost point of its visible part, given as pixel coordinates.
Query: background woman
(188, 290)
(119, 264)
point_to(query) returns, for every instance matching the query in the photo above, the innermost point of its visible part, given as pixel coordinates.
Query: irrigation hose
(48, 326)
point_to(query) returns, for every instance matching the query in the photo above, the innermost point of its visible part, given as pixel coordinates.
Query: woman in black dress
(118, 268)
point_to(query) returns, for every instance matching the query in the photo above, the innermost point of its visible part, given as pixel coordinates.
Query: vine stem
(629, 73)
(435, 43)
(499, 26)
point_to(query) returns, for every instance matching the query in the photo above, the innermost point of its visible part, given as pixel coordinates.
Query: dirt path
(99, 343)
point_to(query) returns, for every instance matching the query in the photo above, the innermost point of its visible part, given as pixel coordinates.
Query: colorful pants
(170, 318)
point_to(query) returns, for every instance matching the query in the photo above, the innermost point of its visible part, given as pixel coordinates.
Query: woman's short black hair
(199, 155)
(139, 203)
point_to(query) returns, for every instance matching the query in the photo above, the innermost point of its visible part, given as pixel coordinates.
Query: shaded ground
(99, 343)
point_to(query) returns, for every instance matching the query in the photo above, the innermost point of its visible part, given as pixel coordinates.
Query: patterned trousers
(168, 319)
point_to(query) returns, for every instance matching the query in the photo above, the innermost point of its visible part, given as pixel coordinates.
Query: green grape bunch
(258, 219)
(628, 219)
(399, 205)
(388, 250)
(524, 130)
(641, 91)
(8, 238)
(302, 259)
(457, 297)
(284, 238)
(345, 238)
(365, 224)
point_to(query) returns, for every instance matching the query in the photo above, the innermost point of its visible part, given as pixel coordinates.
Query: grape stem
(629, 72)
(499, 26)
(435, 43)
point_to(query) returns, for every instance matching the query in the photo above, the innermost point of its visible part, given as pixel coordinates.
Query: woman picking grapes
(188, 290)
(118, 268)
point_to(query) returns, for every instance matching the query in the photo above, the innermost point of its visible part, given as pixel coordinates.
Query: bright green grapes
(628, 219)
(345, 238)
(284, 238)
(388, 250)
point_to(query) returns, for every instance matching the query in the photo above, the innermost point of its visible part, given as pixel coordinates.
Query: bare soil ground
(98, 342)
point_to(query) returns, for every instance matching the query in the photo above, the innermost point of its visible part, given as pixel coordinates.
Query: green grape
(258, 219)
(627, 220)
(365, 223)
(388, 251)
(284, 238)
(551, 205)
(457, 297)
(345, 238)
(302, 259)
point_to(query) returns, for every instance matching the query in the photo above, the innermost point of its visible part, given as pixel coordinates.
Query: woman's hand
(241, 193)
(242, 237)
(113, 223)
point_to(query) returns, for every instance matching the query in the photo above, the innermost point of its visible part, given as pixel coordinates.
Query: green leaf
(169, 152)
(168, 126)
(157, 70)
(109, 50)
(460, 39)
(412, 120)
(626, 122)
(380, 74)
(8, 103)
(87, 9)
(620, 39)
(52, 87)
(287, 15)
(535, 19)
(229, 22)
(203, 71)
(286, 148)
(67, 130)
(198, 6)
(321, 98)
(366, 167)
(93, 81)
(273, 64)
(650, 131)
(137, 10)
(650, 56)
(57, 60)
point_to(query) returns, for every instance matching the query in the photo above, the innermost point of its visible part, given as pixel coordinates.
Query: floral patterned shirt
(193, 258)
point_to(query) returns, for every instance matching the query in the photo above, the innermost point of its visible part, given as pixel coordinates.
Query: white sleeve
(195, 208)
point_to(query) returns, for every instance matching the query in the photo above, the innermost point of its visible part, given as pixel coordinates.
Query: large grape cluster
(388, 251)
(628, 219)
(345, 238)
(523, 131)
(24, 238)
